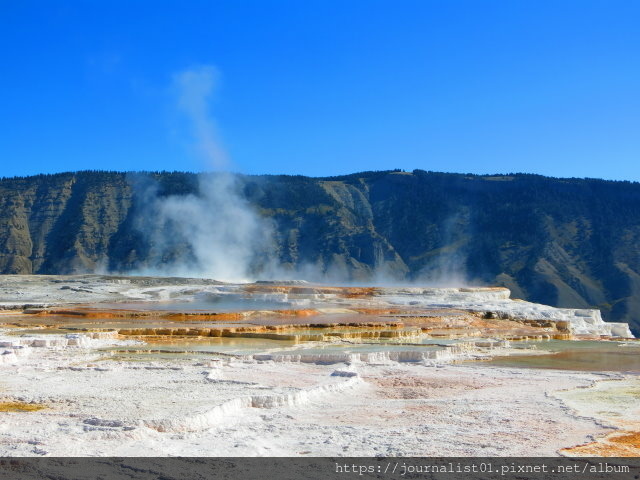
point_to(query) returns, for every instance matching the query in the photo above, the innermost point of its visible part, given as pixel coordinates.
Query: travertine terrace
(269, 303)
(103, 365)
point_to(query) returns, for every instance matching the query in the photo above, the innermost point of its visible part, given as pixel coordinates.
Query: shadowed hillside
(563, 242)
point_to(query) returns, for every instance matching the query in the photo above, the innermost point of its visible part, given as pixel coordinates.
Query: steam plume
(213, 233)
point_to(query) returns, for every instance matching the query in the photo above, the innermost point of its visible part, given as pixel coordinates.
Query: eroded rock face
(562, 242)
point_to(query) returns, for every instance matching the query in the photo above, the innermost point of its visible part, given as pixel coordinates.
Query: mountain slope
(564, 242)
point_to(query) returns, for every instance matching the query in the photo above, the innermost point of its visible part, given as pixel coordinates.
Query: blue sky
(324, 87)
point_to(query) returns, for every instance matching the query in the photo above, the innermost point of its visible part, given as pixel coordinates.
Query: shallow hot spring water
(556, 354)
(577, 355)
(560, 355)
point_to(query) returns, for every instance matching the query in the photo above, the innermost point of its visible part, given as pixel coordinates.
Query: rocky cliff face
(563, 242)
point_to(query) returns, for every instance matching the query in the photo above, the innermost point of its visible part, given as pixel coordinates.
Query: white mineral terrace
(87, 388)
(256, 405)
(24, 291)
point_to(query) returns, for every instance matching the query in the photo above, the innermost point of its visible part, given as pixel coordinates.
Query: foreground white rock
(334, 393)
(256, 405)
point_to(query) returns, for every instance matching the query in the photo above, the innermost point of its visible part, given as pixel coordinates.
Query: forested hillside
(564, 242)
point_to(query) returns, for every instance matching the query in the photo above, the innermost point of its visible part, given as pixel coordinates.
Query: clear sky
(323, 87)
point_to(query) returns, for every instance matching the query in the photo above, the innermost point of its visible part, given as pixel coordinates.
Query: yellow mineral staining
(359, 322)
(623, 443)
(361, 318)
(20, 407)
(299, 333)
(631, 439)
(343, 292)
(616, 403)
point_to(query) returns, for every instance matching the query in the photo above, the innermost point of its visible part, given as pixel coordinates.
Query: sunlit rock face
(561, 242)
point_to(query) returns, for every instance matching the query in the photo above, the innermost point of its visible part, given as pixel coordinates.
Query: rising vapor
(215, 232)
(194, 89)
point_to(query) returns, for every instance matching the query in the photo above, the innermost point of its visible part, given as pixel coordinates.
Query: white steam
(215, 232)
(448, 267)
(194, 89)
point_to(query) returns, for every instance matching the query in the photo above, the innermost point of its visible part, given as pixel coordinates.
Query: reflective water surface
(578, 355)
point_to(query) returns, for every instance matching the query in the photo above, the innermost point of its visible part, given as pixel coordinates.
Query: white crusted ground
(382, 403)
(244, 407)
